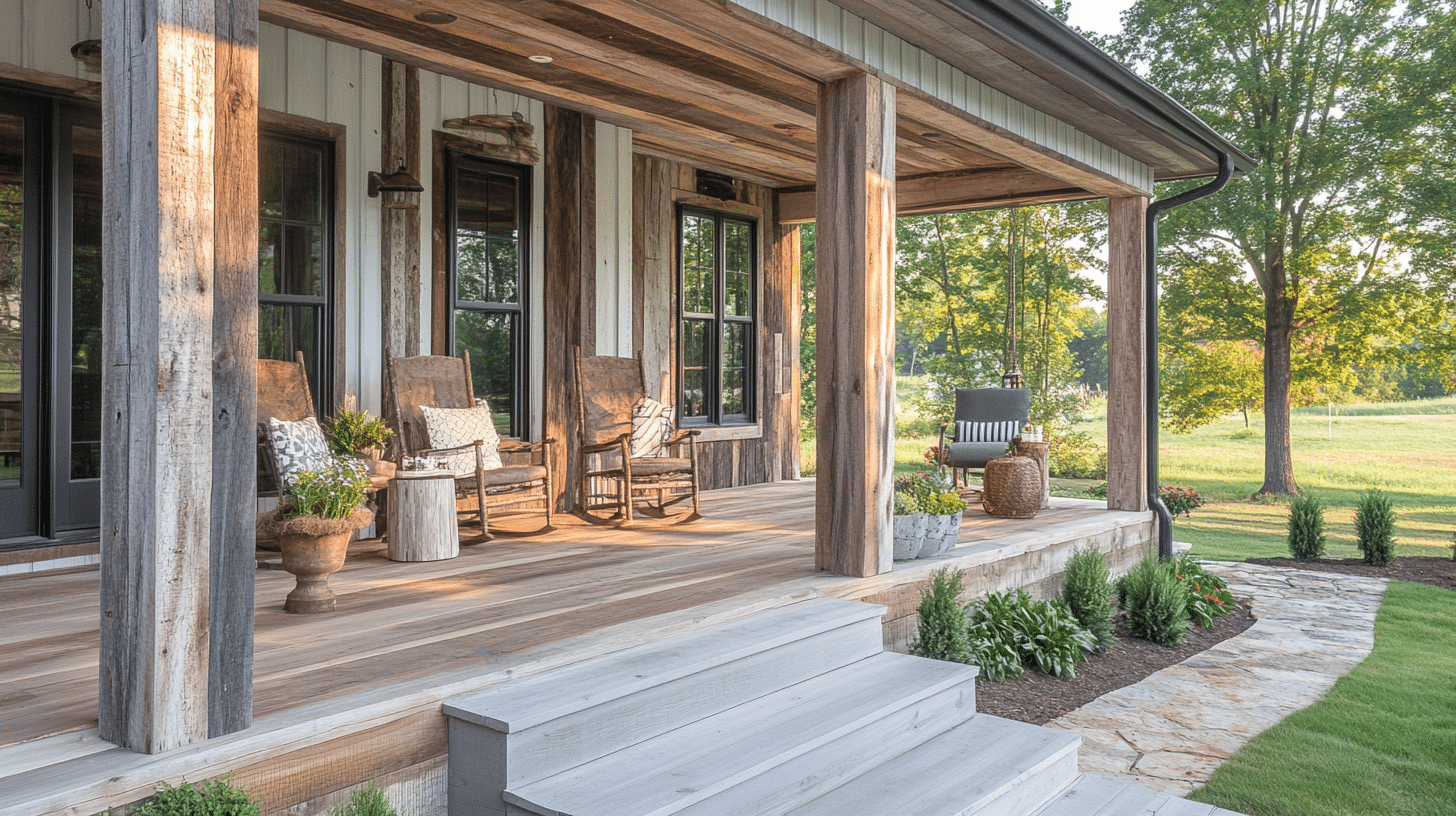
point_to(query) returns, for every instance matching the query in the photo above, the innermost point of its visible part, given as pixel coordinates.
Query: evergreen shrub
(365, 801)
(1087, 592)
(1156, 602)
(943, 633)
(212, 798)
(1306, 528)
(1375, 527)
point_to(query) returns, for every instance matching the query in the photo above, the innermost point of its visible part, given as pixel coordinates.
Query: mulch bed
(1038, 698)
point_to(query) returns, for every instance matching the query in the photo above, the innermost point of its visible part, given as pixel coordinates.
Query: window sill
(724, 433)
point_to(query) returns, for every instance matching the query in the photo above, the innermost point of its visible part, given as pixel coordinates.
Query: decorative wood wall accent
(400, 229)
(769, 450)
(568, 294)
(173, 255)
(855, 250)
(1127, 354)
(235, 370)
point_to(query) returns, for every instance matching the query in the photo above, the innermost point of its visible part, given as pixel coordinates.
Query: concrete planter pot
(941, 535)
(909, 534)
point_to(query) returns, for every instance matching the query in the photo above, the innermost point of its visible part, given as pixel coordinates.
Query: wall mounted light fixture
(400, 181)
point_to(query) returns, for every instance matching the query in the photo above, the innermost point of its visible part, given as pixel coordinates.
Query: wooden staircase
(797, 710)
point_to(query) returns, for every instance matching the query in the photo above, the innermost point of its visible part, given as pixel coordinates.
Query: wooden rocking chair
(608, 389)
(283, 393)
(444, 382)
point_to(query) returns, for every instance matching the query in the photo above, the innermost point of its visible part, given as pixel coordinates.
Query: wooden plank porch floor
(405, 624)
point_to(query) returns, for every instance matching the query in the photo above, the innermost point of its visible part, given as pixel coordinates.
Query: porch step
(1105, 795)
(534, 727)
(793, 742)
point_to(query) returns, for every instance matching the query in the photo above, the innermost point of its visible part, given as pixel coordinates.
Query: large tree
(1304, 256)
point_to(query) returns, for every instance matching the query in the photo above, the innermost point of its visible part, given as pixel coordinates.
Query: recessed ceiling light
(435, 17)
(541, 58)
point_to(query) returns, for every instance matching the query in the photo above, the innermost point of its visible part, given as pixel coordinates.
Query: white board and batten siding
(866, 42)
(614, 240)
(39, 36)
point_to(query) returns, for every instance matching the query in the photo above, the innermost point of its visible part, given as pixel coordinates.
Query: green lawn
(1383, 741)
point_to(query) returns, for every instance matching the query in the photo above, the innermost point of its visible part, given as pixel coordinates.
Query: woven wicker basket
(1011, 487)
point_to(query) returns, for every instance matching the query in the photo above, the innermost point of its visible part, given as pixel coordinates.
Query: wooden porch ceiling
(706, 83)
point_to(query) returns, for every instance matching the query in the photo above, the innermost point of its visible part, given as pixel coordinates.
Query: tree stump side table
(1038, 451)
(422, 523)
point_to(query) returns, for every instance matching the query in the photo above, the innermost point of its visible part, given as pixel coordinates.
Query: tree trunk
(1278, 330)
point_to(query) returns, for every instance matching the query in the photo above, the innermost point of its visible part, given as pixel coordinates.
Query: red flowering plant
(1180, 501)
(1208, 595)
(934, 456)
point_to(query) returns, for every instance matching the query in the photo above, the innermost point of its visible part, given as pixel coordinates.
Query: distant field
(1407, 449)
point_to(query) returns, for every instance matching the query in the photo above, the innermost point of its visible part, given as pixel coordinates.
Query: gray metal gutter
(1027, 25)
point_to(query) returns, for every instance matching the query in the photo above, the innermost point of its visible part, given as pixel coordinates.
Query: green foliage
(943, 634)
(1156, 602)
(1180, 501)
(1075, 455)
(943, 503)
(1378, 742)
(365, 801)
(1375, 528)
(906, 503)
(1087, 592)
(1097, 491)
(331, 492)
(215, 797)
(1306, 528)
(1039, 633)
(350, 432)
(808, 331)
(931, 491)
(1204, 381)
(1208, 595)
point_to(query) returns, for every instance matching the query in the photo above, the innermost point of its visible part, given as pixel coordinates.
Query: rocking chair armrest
(457, 449)
(602, 447)
(517, 446)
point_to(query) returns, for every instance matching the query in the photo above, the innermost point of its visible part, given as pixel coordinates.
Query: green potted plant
(943, 527)
(360, 434)
(909, 525)
(321, 510)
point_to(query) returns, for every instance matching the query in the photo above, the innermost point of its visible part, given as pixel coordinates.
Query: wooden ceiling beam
(952, 192)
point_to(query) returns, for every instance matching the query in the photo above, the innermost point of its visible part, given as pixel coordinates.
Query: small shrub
(1010, 630)
(366, 801)
(1180, 501)
(1208, 595)
(943, 634)
(1075, 455)
(1156, 602)
(1375, 527)
(212, 798)
(906, 503)
(992, 638)
(350, 433)
(1087, 592)
(943, 504)
(1306, 528)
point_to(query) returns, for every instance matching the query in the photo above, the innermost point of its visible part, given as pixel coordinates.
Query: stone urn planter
(313, 549)
(909, 534)
(941, 534)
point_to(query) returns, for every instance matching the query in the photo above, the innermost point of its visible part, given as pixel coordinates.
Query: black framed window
(295, 255)
(489, 212)
(717, 264)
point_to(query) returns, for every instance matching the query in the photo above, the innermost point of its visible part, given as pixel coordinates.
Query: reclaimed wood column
(179, 109)
(569, 163)
(1127, 354)
(855, 312)
(400, 219)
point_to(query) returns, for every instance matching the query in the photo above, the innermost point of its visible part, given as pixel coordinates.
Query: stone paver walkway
(1171, 730)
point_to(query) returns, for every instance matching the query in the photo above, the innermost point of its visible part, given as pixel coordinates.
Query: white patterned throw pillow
(651, 428)
(985, 431)
(297, 446)
(452, 427)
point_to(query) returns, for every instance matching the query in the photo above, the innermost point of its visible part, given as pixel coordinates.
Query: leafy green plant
(351, 432)
(215, 797)
(1375, 527)
(906, 503)
(1010, 630)
(943, 504)
(1097, 491)
(1075, 455)
(1306, 528)
(331, 491)
(1180, 501)
(1208, 595)
(943, 634)
(1087, 592)
(365, 801)
(1156, 602)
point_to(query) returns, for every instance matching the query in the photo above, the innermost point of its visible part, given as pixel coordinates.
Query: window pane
(12, 269)
(270, 255)
(86, 303)
(302, 261)
(735, 368)
(270, 179)
(487, 237)
(693, 387)
(699, 253)
(283, 330)
(490, 339)
(303, 183)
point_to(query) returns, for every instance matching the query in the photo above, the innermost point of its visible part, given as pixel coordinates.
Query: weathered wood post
(1127, 354)
(179, 112)
(855, 310)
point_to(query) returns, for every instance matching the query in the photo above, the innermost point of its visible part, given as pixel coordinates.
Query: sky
(1099, 15)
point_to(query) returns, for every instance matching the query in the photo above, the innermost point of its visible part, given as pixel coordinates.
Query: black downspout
(1155, 502)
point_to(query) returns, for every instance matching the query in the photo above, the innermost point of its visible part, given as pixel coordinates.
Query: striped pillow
(985, 431)
(651, 427)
